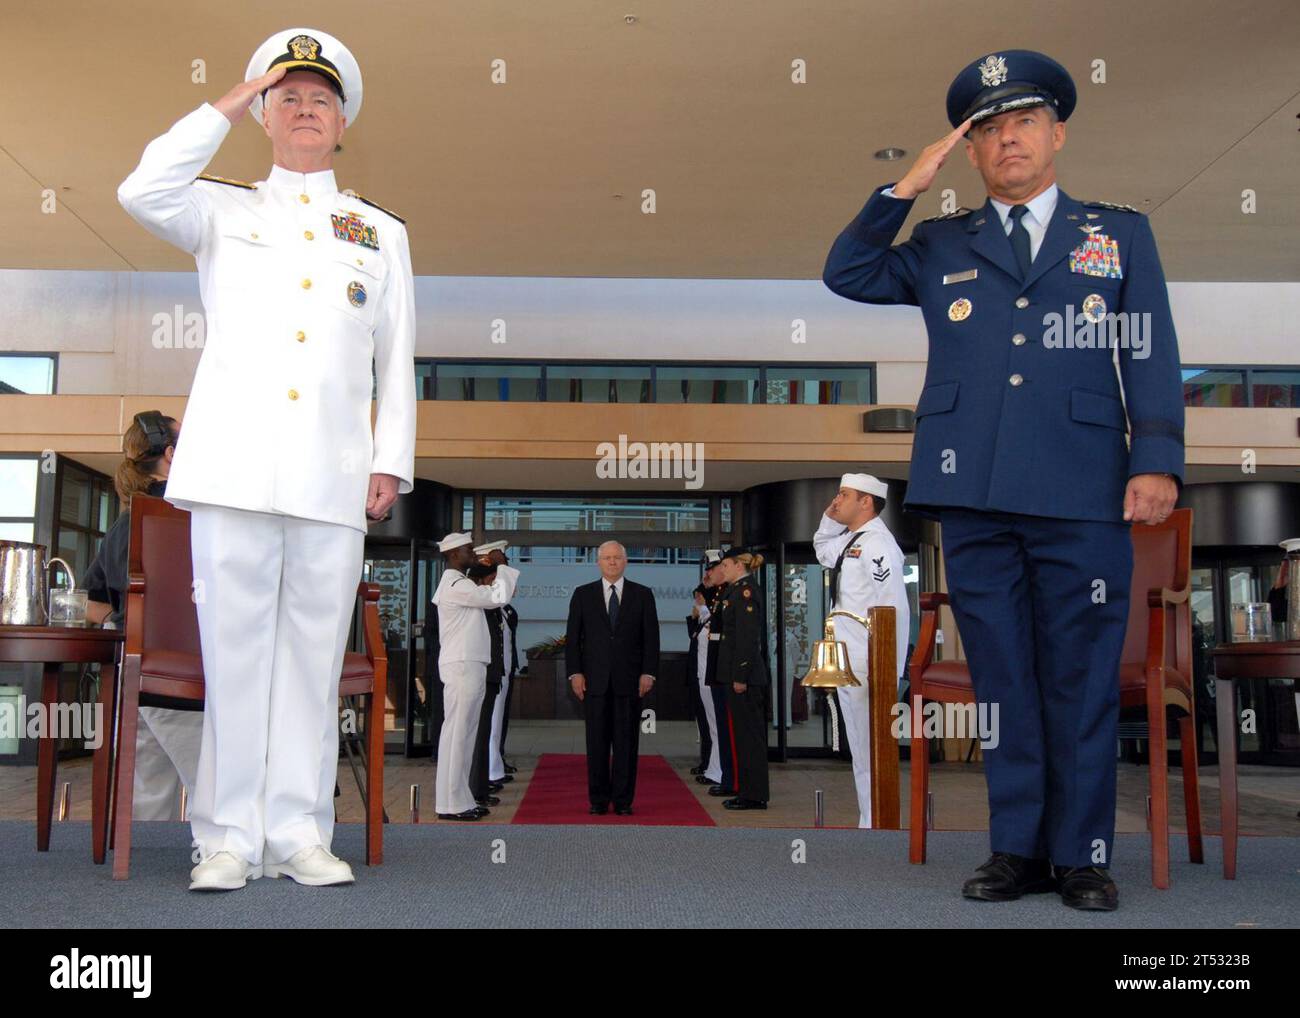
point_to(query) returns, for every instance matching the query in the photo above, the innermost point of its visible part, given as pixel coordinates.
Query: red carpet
(558, 795)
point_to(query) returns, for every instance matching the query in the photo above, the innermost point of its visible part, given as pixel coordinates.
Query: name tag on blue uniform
(960, 277)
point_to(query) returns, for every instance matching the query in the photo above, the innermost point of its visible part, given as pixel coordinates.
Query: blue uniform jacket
(1011, 418)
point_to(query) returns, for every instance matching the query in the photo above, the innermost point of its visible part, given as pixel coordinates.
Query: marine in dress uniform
(866, 569)
(479, 781)
(1033, 453)
(709, 771)
(465, 649)
(742, 666)
(503, 633)
(304, 286)
(715, 687)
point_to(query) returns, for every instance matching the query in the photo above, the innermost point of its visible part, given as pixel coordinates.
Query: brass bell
(830, 668)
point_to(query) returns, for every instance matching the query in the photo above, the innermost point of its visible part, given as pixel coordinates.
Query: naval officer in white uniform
(303, 286)
(465, 648)
(866, 570)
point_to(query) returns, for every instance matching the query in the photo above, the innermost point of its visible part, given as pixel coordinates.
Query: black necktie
(613, 606)
(1020, 238)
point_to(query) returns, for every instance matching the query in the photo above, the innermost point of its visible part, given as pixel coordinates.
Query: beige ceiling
(754, 175)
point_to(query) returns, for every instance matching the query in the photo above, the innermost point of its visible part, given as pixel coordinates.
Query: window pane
(599, 515)
(17, 532)
(497, 382)
(725, 512)
(819, 385)
(705, 384)
(34, 375)
(75, 499)
(597, 384)
(1214, 387)
(1275, 388)
(18, 487)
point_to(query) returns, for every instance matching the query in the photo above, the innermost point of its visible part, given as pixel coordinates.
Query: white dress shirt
(616, 585)
(462, 627)
(1038, 215)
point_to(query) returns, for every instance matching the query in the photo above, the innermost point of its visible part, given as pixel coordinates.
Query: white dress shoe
(314, 867)
(223, 871)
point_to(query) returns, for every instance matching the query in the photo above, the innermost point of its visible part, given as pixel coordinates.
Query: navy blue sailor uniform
(1023, 448)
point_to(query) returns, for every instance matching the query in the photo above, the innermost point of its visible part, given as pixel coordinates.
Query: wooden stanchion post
(883, 661)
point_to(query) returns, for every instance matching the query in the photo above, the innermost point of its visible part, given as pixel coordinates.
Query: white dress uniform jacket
(870, 576)
(278, 418)
(462, 627)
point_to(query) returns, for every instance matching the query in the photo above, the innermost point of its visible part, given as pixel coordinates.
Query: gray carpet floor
(443, 875)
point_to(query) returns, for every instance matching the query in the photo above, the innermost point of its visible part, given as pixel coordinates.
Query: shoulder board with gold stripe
(374, 205)
(1108, 205)
(963, 211)
(226, 180)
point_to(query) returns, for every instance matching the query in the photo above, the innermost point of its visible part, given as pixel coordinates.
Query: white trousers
(166, 758)
(496, 762)
(854, 705)
(275, 597)
(464, 684)
(714, 769)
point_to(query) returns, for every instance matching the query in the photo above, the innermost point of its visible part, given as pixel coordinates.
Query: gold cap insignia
(304, 47)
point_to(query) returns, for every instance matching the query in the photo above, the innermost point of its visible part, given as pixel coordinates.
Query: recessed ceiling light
(891, 154)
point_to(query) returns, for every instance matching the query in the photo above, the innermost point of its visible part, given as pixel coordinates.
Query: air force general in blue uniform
(1051, 413)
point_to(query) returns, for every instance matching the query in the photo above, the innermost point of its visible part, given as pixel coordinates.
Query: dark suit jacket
(612, 661)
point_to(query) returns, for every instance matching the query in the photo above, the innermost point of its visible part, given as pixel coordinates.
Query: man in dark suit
(1034, 452)
(611, 653)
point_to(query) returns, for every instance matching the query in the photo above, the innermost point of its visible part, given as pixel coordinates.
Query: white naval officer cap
(491, 546)
(867, 483)
(454, 540)
(308, 49)
(712, 556)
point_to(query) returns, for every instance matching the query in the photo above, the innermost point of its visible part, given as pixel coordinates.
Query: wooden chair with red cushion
(163, 663)
(1155, 674)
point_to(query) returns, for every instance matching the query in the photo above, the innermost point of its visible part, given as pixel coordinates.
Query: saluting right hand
(234, 104)
(928, 163)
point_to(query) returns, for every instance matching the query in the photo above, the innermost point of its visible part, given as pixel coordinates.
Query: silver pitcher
(24, 583)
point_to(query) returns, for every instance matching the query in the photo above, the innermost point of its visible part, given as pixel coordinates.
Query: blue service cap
(1007, 81)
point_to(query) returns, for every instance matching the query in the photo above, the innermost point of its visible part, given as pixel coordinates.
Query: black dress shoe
(719, 791)
(1006, 876)
(1087, 887)
(702, 780)
(494, 786)
(482, 810)
(698, 769)
(623, 811)
(599, 810)
(469, 814)
(739, 803)
(503, 781)
(490, 800)
(511, 769)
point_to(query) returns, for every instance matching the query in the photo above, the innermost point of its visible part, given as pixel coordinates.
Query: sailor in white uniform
(867, 569)
(465, 650)
(304, 285)
(496, 762)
